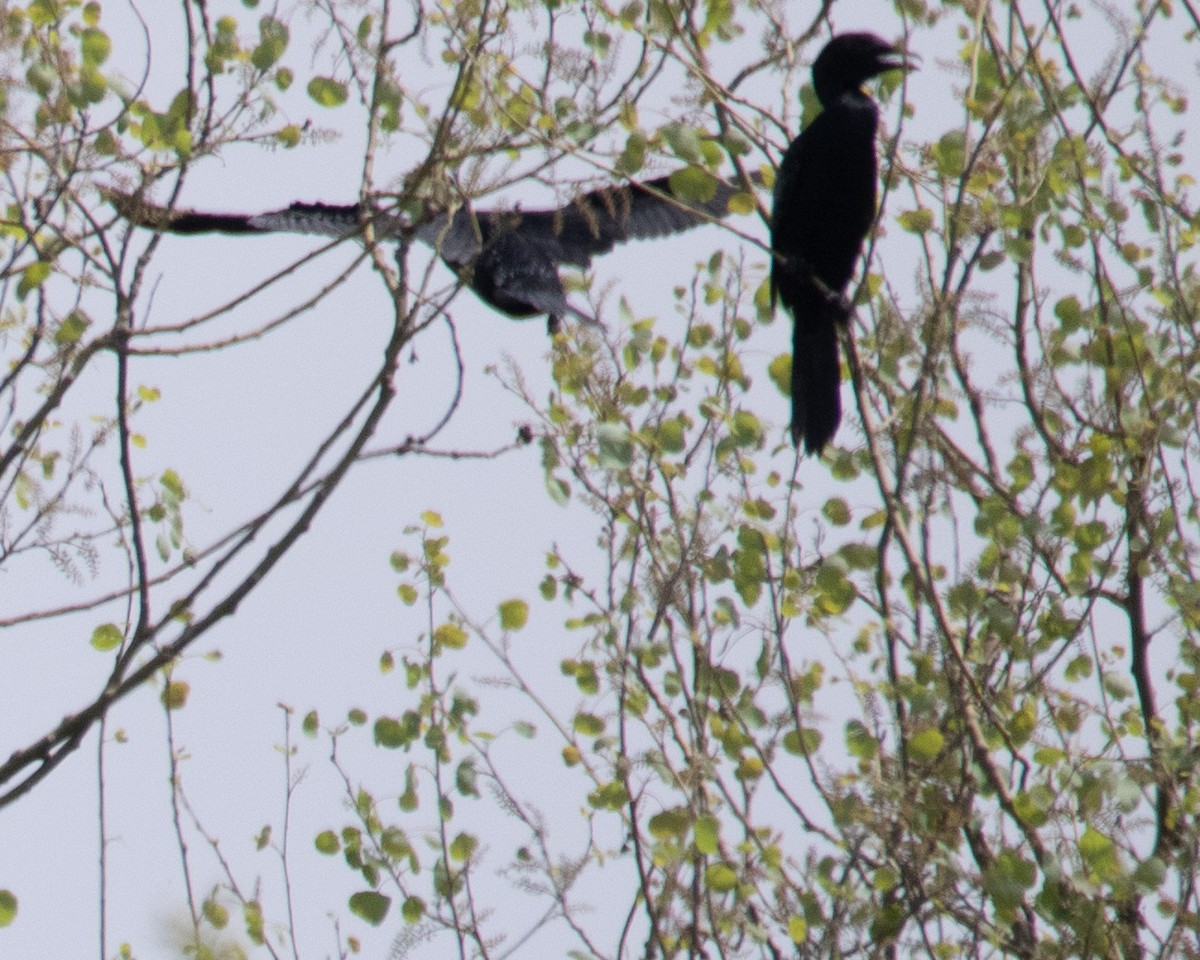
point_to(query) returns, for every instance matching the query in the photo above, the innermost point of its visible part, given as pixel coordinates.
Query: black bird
(510, 258)
(824, 207)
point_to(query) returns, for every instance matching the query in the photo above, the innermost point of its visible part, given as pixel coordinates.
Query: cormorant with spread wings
(510, 258)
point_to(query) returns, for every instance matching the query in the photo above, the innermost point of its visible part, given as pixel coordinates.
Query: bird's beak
(900, 60)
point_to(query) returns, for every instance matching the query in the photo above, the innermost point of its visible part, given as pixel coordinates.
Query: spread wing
(595, 222)
(324, 219)
(591, 224)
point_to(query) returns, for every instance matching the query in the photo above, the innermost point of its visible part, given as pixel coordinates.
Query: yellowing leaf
(720, 877)
(107, 636)
(328, 92)
(927, 744)
(451, 636)
(175, 694)
(8, 907)
(513, 614)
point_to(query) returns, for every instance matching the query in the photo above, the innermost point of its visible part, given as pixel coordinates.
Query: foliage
(934, 695)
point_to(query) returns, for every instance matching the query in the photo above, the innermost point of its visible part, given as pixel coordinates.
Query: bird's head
(850, 59)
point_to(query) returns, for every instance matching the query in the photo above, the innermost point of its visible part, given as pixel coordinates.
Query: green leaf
(859, 556)
(949, 153)
(888, 923)
(1099, 854)
(365, 26)
(407, 593)
(327, 842)
(370, 906)
(327, 92)
(409, 800)
(693, 184)
(615, 446)
(392, 734)
(1116, 685)
(742, 203)
(927, 744)
(670, 436)
(413, 909)
(916, 221)
(462, 846)
(611, 796)
(95, 46)
(633, 157)
(32, 277)
(252, 916)
(1149, 874)
(669, 824)
(215, 914)
(1007, 878)
(8, 907)
(803, 742)
(836, 511)
(107, 636)
(746, 429)
(588, 724)
(684, 141)
(514, 614)
(859, 741)
(797, 929)
(465, 777)
(289, 136)
(707, 833)
(273, 42)
(173, 485)
(780, 372)
(720, 877)
(836, 593)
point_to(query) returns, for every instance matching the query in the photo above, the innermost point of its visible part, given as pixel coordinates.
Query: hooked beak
(900, 60)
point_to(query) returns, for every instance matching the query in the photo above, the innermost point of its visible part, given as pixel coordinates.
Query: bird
(510, 258)
(822, 210)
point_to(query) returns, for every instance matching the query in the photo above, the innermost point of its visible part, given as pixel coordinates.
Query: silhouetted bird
(510, 258)
(824, 207)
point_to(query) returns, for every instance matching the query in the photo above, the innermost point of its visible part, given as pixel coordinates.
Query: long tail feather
(816, 371)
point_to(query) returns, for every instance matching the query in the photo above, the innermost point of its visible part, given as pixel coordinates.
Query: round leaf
(327, 92)
(8, 907)
(107, 636)
(370, 906)
(513, 614)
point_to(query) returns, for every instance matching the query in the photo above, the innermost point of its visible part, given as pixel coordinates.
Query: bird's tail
(816, 371)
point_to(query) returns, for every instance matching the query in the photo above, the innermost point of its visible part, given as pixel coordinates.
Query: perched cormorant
(510, 258)
(824, 207)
